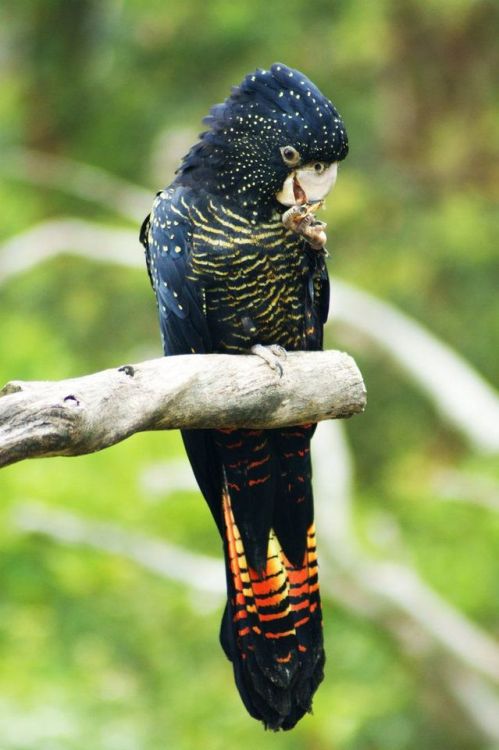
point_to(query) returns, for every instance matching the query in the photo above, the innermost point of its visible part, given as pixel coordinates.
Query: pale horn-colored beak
(304, 185)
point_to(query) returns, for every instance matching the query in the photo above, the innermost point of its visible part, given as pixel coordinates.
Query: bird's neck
(205, 169)
(246, 205)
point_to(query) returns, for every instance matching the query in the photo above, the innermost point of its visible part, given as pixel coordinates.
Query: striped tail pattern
(272, 627)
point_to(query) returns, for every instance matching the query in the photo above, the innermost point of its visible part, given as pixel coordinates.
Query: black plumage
(228, 274)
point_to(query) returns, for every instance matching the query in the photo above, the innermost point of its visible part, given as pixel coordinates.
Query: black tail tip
(278, 706)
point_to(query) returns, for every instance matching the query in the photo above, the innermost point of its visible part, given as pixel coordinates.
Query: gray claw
(270, 355)
(278, 350)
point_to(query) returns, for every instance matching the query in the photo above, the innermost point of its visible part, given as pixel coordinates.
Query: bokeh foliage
(96, 653)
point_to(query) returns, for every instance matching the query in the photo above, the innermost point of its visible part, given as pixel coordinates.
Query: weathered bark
(87, 414)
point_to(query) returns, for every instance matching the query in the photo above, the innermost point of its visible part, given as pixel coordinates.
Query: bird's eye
(290, 155)
(319, 167)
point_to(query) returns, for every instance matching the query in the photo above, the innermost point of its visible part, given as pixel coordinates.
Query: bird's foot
(301, 220)
(271, 355)
(294, 216)
(315, 234)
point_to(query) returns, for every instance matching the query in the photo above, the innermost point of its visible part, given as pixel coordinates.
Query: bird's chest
(253, 288)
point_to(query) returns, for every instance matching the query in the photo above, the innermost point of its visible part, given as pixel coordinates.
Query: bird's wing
(165, 235)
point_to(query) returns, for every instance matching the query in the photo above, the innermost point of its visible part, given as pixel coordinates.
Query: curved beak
(304, 185)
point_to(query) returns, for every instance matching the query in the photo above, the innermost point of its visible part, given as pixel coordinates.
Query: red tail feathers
(272, 629)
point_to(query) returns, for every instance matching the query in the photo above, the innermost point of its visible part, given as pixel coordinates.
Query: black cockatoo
(236, 259)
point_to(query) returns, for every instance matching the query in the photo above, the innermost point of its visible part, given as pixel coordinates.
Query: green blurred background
(96, 651)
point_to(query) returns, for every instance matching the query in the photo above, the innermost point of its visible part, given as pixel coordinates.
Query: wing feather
(166, 236)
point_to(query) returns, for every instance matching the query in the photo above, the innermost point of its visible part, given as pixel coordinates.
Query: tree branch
(87, 414)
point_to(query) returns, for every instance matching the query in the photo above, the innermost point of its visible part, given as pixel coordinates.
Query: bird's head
(274, 142)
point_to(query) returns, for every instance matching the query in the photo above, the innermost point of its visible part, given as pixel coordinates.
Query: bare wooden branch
(87, 414)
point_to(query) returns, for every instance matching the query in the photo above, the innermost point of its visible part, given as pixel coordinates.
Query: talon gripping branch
(235, 262)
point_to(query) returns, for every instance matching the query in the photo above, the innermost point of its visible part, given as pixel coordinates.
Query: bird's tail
(272, 627)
